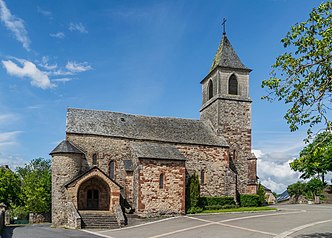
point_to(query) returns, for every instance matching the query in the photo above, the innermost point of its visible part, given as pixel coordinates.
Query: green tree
(314, 187)
(261, 194)
(193, 194)
(316, 158)
(302, 76)
(296, 189)
(9, 187)
(36, 185)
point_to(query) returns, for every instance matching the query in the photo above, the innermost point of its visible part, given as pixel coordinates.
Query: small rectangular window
(94, 159)
(202, 176)
(112, 169)
(161, 181)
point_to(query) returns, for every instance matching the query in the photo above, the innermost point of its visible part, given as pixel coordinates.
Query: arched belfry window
(233, 85)
(94, 159)
(112, 169)
(210, 89)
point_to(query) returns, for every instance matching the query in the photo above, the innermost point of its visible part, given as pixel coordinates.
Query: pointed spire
(227, 57)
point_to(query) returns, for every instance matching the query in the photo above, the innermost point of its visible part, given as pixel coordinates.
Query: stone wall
(214, 163)
(39, 218)
(107, 149)
(230, 117)
(234, 124)
(74, 218)
(170, 199)
(64, 168)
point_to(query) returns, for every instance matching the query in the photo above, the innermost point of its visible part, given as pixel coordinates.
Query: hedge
(250, 200)
(218, 207)
(216, 202)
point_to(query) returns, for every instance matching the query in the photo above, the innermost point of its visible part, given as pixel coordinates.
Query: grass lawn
(241, 209)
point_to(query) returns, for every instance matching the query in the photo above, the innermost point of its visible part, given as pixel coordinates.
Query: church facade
(113, 162)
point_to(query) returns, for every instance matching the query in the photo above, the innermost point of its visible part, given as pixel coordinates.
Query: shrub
(218, 207)
(193, 194)
(261, 194)
(250, 200)
(216, 201)
(19, 212)
(193, 210)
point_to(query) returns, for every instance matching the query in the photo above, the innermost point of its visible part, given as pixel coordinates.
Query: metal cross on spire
(224, 26)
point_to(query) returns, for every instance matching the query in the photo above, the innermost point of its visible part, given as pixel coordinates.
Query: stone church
(112, 162)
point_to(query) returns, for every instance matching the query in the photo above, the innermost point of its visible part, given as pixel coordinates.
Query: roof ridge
(132, 114)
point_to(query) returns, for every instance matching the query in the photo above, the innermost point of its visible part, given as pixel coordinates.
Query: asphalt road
(43, 231)
(306, 221)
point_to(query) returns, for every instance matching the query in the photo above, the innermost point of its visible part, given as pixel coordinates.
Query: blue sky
(140, 57)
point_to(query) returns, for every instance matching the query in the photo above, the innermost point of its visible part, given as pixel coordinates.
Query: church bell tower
(226, 108)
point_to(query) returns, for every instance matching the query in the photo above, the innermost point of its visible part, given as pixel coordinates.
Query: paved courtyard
(307, 221)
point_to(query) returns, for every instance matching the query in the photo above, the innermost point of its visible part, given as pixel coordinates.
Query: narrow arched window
(202, 176)
(112, 169)
(161, 181)
(233, 85)
(210, 89)
(94, 159)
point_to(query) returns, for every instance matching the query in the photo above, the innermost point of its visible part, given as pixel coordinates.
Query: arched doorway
(94, 194)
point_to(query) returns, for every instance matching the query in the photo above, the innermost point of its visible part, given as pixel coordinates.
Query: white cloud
(12, 161)
(274, 186)
(45, 75)
(6, 118)
(275, 174)
(59, 35)
(45, 64)
(78, 67)
(77, 27)
(45, 12)
(29, 70)
(258, 153)
(8, 138)
(15, 25)
(59, 72)
(63, 80)
(49, 67)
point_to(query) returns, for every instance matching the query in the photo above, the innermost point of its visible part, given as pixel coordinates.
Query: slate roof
(163, 129)
(267, 189)
(66, 147)
(227, 57)
(283, 197)
(156, 151)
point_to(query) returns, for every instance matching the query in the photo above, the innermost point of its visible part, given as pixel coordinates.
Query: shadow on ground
(315, 235)
(8, 231)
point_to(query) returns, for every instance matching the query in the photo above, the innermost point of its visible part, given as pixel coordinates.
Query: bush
(193, 194)
(218, 207)
(193, 210)
(19, 212)
(261, 194)
(216, 201)
(250, 200)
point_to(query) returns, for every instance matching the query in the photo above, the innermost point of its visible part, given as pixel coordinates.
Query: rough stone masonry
(143, 163)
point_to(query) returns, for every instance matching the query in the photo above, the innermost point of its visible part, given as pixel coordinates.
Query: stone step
(98, 220)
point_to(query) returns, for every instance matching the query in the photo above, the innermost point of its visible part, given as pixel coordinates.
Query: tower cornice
(212, 100)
